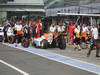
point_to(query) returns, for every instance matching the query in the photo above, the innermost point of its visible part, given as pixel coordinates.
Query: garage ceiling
(68, 3)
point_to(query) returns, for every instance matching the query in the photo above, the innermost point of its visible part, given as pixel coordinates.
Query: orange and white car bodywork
(46, 36)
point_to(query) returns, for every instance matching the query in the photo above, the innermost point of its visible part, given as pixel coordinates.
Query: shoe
(79, 49)
(88, 54)
(16, 45)
(97, 56)
(75, 48)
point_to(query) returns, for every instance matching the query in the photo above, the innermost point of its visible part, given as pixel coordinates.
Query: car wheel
(44, 44)
(25, 43)
(62, 43)
(11, 39)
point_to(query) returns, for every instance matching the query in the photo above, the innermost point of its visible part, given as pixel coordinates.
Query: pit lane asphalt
(34, 64)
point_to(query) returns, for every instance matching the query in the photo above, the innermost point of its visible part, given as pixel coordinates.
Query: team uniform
(52, 29)
(38, 29)
(95, 36)
(26, 30)
(84, 34)
(10, 32)
(6, 26)
(77, 36)
(19, 31)
(71, 30)
(59, 29)
(33, 28)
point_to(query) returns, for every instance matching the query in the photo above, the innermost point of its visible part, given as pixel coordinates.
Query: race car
(50, 40)
(43, 41)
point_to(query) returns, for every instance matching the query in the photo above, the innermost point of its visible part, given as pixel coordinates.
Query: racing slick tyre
(25, 43)
(11, 39)
(53, 45)
(34, 45)
(62, 44)
(44, 44)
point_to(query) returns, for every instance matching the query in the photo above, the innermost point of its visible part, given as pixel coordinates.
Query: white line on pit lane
(13, 67)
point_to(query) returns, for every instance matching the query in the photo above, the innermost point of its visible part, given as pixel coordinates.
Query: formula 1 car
(50, 40)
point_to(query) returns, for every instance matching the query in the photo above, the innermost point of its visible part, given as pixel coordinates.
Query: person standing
(77, 37)
(71, 30)
(19, 31)
(52, 28)
(39, 27)
(26, 30)
(6, 26)
(95, 36)
(99, 30)
(84, 35)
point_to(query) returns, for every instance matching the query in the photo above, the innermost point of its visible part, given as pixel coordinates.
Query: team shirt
(10, 31)
(52, 29)
(77, 31)
(95, 33)
(84, 31)
(18, 29)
